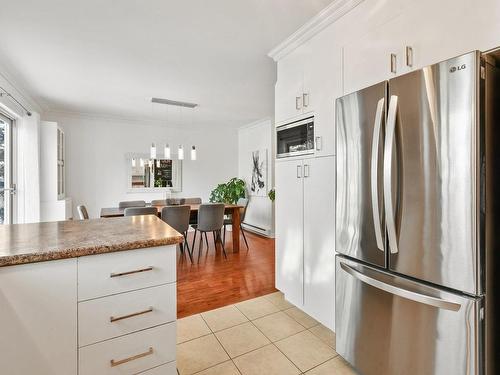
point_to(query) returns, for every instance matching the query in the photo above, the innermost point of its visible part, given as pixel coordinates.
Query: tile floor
(261, 336)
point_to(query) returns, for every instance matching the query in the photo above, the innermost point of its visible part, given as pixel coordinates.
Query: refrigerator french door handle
(404, 293)
(374, 173)
(389, 206)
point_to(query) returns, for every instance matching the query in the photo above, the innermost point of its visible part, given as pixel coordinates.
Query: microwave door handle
(374, 173)
(389, 206)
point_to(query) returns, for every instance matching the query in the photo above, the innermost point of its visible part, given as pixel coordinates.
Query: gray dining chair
(136, 211)
(159, 202)
(125, 204)
(82, 212)
(178, 218)
(175, 201)
(241, 202)
(210, 219)
(193, 219)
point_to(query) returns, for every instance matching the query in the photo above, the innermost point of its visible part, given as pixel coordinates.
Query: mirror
(153, 175)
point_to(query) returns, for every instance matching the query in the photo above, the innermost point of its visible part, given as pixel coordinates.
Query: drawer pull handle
(133, 358)
(116, 319)
(150, 268)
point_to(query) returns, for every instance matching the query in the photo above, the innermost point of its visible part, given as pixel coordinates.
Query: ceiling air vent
(174, 102)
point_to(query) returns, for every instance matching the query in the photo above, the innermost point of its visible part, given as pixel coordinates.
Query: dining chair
(178, 218)
(241, 202)
(193, 219)
(159, 202)
(210, 219)
(136, 211)
(82, 212)
(125, 204)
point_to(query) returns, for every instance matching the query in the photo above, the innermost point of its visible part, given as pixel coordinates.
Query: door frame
(10, 166)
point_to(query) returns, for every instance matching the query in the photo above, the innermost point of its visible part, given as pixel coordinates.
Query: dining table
(229, 209)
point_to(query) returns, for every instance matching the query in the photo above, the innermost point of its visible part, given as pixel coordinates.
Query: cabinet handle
(409, 56)
(393, 63)
(113, 319)
(150, 268)
(115, 363)
(306, 170)
(319, 144)
(299, 171)
(305, 99)
(298, 102)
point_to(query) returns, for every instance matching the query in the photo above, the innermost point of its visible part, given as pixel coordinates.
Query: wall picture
(258, 180)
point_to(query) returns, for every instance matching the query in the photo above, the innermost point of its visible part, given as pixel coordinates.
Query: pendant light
(167, 152)
(158, 164)
(180, 153)
(133, 162)
(141, 162)
(193, 153)
(153, 151)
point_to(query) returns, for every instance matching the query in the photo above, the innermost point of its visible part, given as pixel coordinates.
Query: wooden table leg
(236, 230)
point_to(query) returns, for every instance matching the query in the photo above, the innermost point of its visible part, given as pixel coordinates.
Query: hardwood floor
(214, 282)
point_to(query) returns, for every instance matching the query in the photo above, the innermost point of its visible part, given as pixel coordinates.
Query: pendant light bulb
(193, 153)
(181, 153)
(153, 151)
(133, 162)
(167, 152)
(141, 162)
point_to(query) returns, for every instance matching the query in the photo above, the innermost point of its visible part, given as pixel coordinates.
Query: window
(7, 188)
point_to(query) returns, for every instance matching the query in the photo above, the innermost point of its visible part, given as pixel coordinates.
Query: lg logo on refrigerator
(453, 69)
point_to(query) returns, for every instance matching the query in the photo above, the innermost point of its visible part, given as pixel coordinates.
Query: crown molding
(256, 123)
(326, 17)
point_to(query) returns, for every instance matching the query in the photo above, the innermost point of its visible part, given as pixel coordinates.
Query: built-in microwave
(295, 138)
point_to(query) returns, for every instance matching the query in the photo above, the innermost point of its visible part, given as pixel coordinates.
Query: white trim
(326, 17)
(256, 123)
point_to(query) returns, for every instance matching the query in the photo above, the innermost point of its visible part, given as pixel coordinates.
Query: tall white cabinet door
(289, 87)
(322, 85)
(289, 230)
(38, 333)
(319, 239)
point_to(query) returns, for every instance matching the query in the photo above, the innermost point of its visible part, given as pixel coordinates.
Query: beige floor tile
(190, 328)
(325, 334)
(257, 307)
(199, 354)
(305, 350)
(278, 326)
(241, 339)
(223, 318)
(265, 361)
(226, 368)
(302, 317)
(279, 300)
(335, 366)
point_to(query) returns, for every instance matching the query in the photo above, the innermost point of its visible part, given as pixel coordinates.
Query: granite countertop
(39, 242)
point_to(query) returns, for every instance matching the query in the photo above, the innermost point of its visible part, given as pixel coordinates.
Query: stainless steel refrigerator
(417, 199)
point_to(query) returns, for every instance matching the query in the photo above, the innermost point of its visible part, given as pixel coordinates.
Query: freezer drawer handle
(374, 173)
(389, 207)
(414, 296)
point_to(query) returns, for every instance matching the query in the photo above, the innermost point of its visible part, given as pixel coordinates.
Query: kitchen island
(88, 297)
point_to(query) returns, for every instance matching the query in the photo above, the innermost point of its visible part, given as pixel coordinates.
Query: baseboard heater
(257, 229)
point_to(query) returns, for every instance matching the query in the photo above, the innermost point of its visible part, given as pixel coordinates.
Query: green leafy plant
(229, 192)
(272, 194)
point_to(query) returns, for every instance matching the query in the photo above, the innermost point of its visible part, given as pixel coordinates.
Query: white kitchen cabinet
(289, 230)
(305, 252)
(319, 239)
(289, 87)
(322, 85)
(38, 318)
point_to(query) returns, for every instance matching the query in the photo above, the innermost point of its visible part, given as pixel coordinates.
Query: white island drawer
(168, 369)
(108, 317)
(123, 271)
(129, 354)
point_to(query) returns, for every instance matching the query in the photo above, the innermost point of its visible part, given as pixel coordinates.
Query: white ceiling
(111, 56)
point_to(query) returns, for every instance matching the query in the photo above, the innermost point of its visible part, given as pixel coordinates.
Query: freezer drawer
(391, 325)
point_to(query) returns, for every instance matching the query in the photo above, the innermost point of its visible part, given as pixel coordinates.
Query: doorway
(7, 186)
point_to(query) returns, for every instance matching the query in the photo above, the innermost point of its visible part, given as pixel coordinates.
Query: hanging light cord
(9, 95)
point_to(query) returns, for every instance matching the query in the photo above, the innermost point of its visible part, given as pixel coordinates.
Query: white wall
(253, 137)
(96, 171)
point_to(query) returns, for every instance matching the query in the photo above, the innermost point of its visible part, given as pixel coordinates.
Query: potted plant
(229, 192)
(272, 194)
